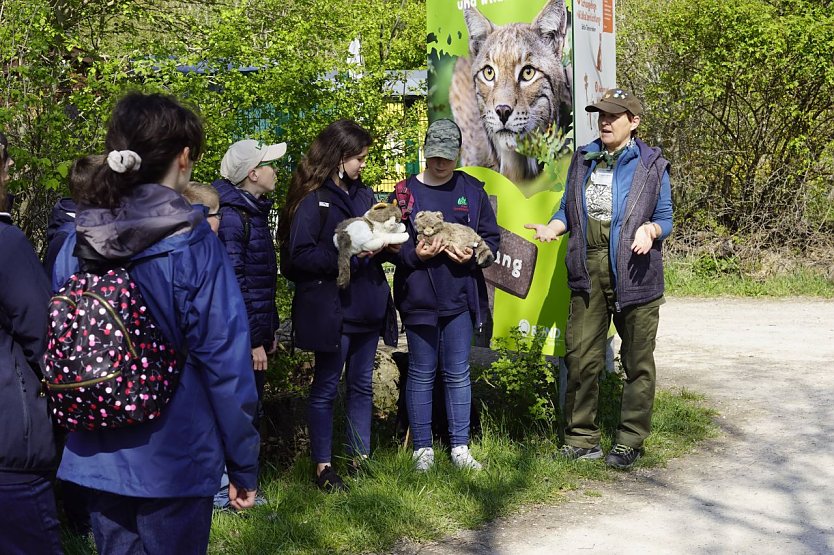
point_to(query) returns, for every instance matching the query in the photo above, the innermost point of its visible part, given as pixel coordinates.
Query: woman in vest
(617, 207)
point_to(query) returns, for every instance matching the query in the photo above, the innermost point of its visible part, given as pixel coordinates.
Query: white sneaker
(423, 459)
(462, 458)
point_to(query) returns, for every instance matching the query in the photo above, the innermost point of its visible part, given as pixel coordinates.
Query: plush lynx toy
(379, 227)
(431, 224)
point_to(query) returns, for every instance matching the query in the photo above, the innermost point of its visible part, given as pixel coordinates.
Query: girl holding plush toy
(440, 292)
(342, 326)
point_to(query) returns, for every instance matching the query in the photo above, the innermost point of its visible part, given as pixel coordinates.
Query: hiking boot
(330, 482)
(623, 457)
(423, 459)
(571, 453)
(462, 458)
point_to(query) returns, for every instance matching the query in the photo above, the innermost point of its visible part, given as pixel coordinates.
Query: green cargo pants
(587, 331)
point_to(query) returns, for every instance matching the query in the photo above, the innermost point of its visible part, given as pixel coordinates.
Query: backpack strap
(404, 199)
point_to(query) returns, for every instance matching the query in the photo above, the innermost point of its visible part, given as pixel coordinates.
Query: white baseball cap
(246, 155)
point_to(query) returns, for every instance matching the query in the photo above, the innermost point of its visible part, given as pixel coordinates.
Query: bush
(523, 380)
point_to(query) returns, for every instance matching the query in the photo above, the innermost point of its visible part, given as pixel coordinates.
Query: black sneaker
(329, 482)
(623, 457)
(571, 453)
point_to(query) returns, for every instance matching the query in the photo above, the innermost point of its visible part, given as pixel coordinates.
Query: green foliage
(524, 379)
(739, 97)
(65, 63)
(707, 277)
(546, 146)
(711, 266)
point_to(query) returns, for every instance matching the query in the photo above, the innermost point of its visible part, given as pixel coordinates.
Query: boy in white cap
(248, 171)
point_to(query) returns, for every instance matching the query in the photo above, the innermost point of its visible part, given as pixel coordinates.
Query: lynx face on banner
(512, 83)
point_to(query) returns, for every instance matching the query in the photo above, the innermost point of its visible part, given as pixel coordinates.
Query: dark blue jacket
(641, 193)
(254, 260)
(415, 293)
(61, 222)
(185, 276)
(27, 445)
(321, 311)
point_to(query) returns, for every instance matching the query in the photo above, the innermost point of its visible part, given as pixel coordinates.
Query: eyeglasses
(207, 214)
(271, 163)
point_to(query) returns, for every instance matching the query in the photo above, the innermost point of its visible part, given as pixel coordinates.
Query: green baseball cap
(442, 140)
(616, 101)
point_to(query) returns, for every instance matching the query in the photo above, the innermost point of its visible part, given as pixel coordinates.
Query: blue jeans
(449, 343)
(29, 522)
(357, 358)
(152, 526)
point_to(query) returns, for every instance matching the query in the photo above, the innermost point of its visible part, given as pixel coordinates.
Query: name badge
(602, 177)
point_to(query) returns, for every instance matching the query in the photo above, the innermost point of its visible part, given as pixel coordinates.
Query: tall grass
(704, 277)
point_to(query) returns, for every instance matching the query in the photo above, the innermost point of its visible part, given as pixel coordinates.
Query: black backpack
(107, 364)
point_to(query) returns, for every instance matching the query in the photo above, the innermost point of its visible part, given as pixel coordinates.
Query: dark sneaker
(623, 457)
(571, 453)
(329, 482)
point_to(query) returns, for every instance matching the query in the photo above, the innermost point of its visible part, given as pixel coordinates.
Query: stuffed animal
(378, 227)
(431, 224)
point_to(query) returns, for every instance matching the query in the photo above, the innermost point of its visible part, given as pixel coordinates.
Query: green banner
(502, 70)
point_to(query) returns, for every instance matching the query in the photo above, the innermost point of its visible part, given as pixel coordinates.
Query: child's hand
(425, 251)
(259, 359)
(457, 255)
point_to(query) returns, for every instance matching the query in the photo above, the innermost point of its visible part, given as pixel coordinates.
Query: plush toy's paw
(486, 260)
(396, 238)
(373, 245)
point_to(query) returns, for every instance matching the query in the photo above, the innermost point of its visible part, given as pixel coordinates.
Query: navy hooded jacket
(191, 290)
(61, 222)
(27, 445)
(415, 287)
(321, 311)
(254, 260)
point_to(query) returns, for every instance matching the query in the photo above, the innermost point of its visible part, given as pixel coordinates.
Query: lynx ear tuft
(479, 28)
(551, 23)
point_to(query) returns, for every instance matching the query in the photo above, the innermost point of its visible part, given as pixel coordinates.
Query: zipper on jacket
(22, 389)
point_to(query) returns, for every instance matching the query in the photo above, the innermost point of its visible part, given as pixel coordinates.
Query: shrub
(523, 379)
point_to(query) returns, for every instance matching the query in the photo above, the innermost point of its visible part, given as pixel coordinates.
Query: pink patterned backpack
(107, 364)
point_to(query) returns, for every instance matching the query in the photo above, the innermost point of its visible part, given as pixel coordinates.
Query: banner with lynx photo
(502, 69)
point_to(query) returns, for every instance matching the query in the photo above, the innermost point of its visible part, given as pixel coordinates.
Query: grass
(710, 278)
(392, 502)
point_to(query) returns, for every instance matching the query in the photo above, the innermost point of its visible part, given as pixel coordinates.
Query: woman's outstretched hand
(549, 232)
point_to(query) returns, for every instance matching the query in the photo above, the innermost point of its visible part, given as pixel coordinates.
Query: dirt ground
(766, 485)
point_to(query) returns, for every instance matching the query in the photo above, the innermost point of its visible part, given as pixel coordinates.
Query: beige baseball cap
(246, 155)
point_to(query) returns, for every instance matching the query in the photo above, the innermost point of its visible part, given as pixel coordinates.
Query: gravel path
(766, 485)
